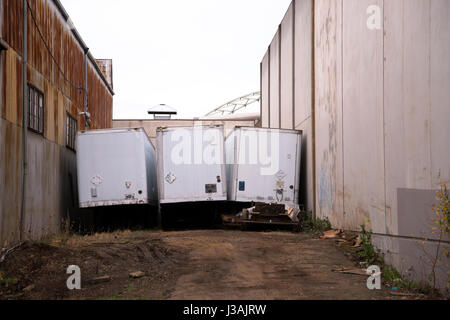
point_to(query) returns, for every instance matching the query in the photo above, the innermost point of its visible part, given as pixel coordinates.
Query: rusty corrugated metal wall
(51, 177)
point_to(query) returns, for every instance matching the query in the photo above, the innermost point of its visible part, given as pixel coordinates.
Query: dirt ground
(203, 264)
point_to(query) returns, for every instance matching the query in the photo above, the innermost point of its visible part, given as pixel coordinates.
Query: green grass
(312, 224)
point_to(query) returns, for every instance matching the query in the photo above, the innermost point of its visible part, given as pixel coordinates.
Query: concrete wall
(150, 126)
(265, 91)
(378, 127)
(287, 70)
(274, 81)
(51, 196)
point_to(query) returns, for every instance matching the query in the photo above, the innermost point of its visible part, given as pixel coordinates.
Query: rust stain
(47, 172)
(3, 89)
(68, 54)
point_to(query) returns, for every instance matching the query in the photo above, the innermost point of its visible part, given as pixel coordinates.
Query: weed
(315, 224)
(368, 254)
(440, 229)
(394, 278)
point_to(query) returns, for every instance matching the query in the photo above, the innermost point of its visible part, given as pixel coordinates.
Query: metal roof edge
(83, 45)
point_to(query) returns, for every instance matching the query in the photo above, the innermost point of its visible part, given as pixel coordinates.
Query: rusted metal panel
(287, 70)
(1, 20)
(107, 69)
(67, 52)
(10, 176)
(52, 166)
(274, 87)
(13, 86)
(2, 85)
(265, 91)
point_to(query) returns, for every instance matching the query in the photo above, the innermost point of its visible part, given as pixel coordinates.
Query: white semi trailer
(116, 167)
(191, 164)
(263, 165)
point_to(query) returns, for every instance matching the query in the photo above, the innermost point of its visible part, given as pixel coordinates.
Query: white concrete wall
(274, 81)
(265, 91)
(328, 110)
(287, 70)
(377, 134)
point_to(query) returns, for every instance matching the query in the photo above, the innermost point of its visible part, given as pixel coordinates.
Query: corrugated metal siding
(10, 177)
(67, 52)
(51, 179)
(107, 69)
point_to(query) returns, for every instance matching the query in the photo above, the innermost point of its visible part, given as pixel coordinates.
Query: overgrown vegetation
(368, 254)
(371, 256)
(394, 279)
(440, 227)
(312, 224)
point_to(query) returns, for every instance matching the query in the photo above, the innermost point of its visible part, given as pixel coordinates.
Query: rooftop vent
(162, 112)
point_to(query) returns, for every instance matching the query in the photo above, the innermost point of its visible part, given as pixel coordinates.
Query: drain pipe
(86, 51)
(24, 120)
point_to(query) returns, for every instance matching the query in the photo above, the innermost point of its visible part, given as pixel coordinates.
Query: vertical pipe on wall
(261, 94)
(293, 65)
(86, 51)
(313, 108)
(279, 76)
(268, 90)
(24, 118)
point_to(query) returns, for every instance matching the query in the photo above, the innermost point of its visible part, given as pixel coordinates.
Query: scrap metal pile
(267, 214)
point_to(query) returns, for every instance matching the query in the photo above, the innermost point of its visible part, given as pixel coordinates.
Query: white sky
(192, 55)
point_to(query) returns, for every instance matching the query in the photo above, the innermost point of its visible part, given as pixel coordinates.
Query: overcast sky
(192, 55)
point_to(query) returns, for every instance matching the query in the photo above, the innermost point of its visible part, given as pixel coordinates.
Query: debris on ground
(404, 294)
(330, 234)
(100, 280)
(29, 288)
(4, 252)
(137, 274)
(267, 214)
(358, 242)
(359, 272)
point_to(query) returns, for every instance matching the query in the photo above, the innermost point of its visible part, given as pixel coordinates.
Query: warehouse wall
(274, 81)
(265, 91)
(378, 126)
(51, 176)
(287, 65)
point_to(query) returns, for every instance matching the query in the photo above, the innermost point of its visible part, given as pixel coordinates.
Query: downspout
(24, 119)
(86, 51)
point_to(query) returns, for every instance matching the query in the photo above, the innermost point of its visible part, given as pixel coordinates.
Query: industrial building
(64, 84)
(368, 83)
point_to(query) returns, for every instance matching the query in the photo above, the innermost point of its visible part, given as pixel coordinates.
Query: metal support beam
(24, 119)
(86, 51)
